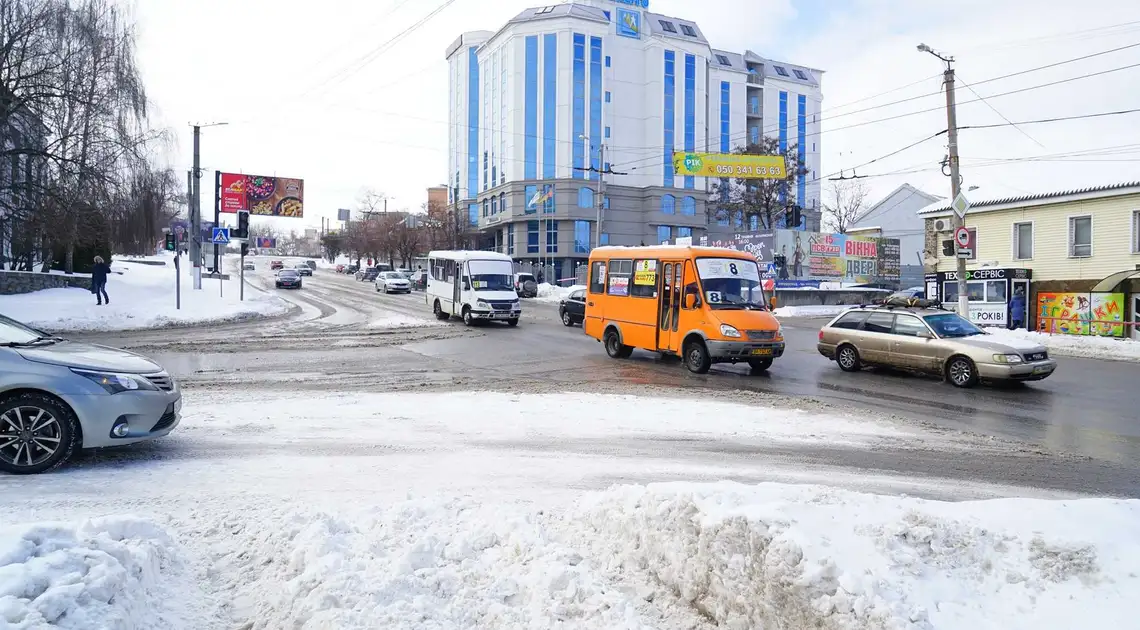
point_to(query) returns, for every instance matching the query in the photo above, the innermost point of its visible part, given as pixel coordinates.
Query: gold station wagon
(933, 341)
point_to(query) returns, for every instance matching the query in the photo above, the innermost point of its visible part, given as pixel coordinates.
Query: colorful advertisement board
(1081, 314)
(265, 242)
(263, 196)
(806, 259)
(629, 23)
(730, 165)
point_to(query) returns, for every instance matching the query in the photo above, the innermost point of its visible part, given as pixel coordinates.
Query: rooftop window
(800, 75)
(781, 70)
(667, 26)
(722, 60)
(688, 30)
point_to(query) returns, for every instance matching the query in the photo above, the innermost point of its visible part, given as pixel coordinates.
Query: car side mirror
(691, 300)
(466, 285)
(926, 334)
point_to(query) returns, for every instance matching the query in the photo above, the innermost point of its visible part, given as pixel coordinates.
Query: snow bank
(104, 573)
(1091, 347)
(403, 321)
(784, 556)
(821, 310)
(142, 296)
(417, 564)
(551, 293)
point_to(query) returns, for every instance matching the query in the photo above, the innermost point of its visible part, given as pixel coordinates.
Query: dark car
(288, 279)
(351, 269)
(303, 269)
(572, 309)
(368, 275)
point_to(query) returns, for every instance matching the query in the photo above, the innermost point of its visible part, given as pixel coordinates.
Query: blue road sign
(221, 236)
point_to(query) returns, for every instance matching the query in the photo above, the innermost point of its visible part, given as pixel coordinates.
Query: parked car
(420, 279)
(930, 340)
(288, 279)
(351, 269)
(340, 268)
(912, 293)
(525, 285)
(368, 275)
(303, 269)
(58, 396)
(572, 309)
(274, 265)
(393, 282)
(248, 266)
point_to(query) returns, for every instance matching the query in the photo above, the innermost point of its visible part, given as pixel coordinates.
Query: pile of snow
(550, 293)
(819, 310)
(1088, 346)
(113, 572)
(781, 556)
(396, 320)
(142, 296)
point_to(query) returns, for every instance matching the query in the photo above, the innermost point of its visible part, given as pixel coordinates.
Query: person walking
(1017, 309)
(99, 274)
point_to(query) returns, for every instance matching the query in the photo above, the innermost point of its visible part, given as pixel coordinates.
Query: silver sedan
(57, 396)
(393, 282)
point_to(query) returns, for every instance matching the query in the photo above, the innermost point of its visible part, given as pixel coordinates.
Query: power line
(995, 110)
(1010, 123)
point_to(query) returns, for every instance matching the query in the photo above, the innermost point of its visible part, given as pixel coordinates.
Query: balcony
(755, 79)
(755, 111)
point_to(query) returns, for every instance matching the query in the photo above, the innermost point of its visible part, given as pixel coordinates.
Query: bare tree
(767, 199)
(845, 202)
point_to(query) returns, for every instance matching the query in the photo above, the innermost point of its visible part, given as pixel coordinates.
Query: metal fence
(547, 273)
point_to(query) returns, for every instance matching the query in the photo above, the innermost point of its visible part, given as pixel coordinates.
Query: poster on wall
(807, 259)
(1099, 314)
(263, 196)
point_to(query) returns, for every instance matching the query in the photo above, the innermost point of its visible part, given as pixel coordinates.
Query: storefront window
(992, 291)
(995, 291)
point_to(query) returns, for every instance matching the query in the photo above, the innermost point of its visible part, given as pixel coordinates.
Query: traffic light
(948, 247)
(245, 249)
(171, 242)
(243, 225)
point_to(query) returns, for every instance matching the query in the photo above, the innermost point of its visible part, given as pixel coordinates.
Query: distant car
(288, 279)
(303, 269)
(368, 275)
(930, 340)
(572, 309)
(419, 280)
(910, 293)
(274, 265)
(312, 264)
(393, 282)
(248, 266)
(525, 285)
(340, 268)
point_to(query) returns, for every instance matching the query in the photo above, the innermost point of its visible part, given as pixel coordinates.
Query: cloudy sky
(309, 91)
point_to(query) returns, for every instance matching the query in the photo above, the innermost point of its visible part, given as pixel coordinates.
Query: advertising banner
(1081, 313)
(265, 242)
(730, 165)
(263, 196)
(759, 244)
(645, 273)
(629, 23)
(805, 259)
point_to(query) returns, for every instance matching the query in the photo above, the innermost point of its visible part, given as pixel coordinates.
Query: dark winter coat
(99, 274)
(1017, 307)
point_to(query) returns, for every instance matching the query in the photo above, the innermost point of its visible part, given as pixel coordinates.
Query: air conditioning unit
(941, 225)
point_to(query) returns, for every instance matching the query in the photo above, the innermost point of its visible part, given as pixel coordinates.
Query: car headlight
(515, 304)
(729, 331)
(482, 304)
(779, 333)
(1007, 358)
(115, 383)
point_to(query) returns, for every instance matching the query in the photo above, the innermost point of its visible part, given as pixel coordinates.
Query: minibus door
(669, 307)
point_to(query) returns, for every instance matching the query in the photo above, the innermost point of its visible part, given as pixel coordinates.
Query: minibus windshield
(731, 283)
(492, 275)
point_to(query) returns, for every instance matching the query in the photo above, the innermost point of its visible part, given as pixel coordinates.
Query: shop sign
(988, 314)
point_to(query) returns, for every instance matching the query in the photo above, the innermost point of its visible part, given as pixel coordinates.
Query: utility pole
(196, 212)
(955, 172)
(601, 192)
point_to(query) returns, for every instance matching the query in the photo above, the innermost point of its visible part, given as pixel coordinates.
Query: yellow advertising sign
(646, 273)
(730, 165)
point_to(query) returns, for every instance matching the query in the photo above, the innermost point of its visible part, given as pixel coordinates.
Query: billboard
(805, 259)
(263, 196)
(1081, 313)
(629, 23)
(759, 244)
(265, 242)
(730, 165)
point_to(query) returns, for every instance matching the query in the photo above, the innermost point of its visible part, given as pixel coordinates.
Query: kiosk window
(598, 276)
(991, 291)
(995, 291)
(617, 283)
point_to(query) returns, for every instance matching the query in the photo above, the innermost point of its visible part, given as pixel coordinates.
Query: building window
(548, 199)
(607, 135)
(596, 95)
(722, 60)
(664, 233)
(688, 30)
(608, 96)
(722, 217)
(529, 194)
(684, 232)
(688, 206)
(511, 239)
(473, 213)
(530, 108)
(486, 209)
(668, 204)
(667, 26)
(607, 61)
(1080, 237)
(690, 138)
(606, 201)
(551, 237)
(670, 117)
(585, 197)
(549, 9)
(578, 101)
(494, 205)
(502, 202)
(780, 70)
(800, 75)
(532, 237)
(1023, 241)
(549, 102)
(604, 239)
(581, 237)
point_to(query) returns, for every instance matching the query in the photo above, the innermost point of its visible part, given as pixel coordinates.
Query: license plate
(762, 351)
(1044, 369)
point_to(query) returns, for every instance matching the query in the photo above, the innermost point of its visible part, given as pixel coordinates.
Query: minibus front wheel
(614, 347)
(696, 355)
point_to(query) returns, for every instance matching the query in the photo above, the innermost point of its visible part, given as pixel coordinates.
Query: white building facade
(562, 92)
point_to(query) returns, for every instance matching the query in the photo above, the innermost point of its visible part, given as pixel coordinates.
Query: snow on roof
(468, 255)
(1092, 192)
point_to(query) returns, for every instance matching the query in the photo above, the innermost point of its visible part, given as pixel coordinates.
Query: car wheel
(614, 347)
(438, 310)
(961, 372)
(566, 319)
(512, 322)
(848, 359)
(697, 357)
(760, 365)
(37, 433)
(468, 318)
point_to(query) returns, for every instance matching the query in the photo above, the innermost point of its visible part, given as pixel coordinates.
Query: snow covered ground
(1078, 346)
(821, 310)
(142, 296)
(283, 509)
(551, 293)
(404, 321)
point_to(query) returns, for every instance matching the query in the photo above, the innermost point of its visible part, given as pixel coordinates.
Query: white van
(474, 285)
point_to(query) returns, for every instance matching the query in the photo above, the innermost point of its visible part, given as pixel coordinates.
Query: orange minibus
(703, 304)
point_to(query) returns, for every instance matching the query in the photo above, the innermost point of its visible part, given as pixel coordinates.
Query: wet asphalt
(1076, 432)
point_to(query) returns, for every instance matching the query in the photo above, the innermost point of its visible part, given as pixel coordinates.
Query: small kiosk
(990, 290)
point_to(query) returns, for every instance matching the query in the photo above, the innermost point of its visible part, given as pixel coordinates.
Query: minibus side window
(619, 277)
(598, 276)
